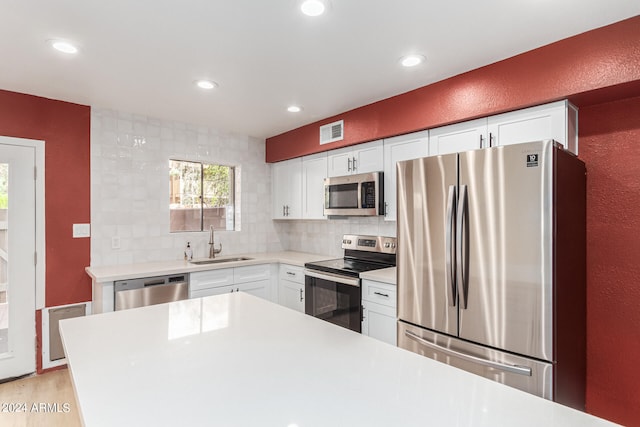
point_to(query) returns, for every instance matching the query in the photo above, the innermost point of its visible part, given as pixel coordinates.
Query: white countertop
(384, 275)
(130, 271)
(237, 360)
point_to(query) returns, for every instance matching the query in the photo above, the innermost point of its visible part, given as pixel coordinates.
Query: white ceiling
(142, 56)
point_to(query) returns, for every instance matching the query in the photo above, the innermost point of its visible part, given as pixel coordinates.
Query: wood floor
(47, 399)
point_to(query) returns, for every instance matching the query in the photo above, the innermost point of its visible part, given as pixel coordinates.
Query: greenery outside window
(201, 195)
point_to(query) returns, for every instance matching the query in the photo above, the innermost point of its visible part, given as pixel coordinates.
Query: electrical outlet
(115, 242)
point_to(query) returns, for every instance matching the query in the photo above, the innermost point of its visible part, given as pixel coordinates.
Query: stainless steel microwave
(354, 195)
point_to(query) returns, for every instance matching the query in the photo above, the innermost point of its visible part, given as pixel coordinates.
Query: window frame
(232, 193)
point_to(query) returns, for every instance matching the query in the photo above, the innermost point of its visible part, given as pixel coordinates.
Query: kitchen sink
(220, 260)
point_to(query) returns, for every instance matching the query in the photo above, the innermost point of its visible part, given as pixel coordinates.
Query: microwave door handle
(450, 282)
(462, 246)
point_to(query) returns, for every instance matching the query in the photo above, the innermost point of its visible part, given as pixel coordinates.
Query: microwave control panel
(368, 195)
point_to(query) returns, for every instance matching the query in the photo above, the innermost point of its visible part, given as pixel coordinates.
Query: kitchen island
(238, 360)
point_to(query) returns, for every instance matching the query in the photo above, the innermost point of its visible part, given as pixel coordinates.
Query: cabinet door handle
(481, 140)
(386, 208)
(354, 164)
(381, 294)
(283, 211)
(301, 295)
(490, 140)
(291, 273)
(287, 206)
(349, 164)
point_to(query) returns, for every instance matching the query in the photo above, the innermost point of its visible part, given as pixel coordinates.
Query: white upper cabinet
(397, 149)
(361, 158)
(314, 171)
(557, 121)
(286, 180)
(463, 136)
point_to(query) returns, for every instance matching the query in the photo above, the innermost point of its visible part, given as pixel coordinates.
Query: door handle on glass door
(450, 282)
(462, 247)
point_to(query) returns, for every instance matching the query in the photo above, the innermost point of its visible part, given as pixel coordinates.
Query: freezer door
(505, 246)
(528, 375)
(426, 192)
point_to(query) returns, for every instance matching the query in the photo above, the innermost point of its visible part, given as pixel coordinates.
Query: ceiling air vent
(332, 132)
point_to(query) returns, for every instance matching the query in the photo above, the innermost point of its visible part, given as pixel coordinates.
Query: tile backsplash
(325, 236)
(130, 188)
(130, 194)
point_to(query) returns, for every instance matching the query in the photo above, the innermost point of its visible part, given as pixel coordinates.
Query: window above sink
(201, 195)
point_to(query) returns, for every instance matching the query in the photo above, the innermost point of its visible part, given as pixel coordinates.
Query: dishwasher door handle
(154, 282)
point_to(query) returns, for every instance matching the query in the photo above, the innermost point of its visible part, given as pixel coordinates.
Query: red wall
(600, 72)
(65, 128)
(610, 146)
(577, 68)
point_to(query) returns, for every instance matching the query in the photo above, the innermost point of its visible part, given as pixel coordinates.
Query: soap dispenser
(188, 253)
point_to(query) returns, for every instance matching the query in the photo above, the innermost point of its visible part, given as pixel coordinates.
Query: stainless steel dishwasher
(150, 290)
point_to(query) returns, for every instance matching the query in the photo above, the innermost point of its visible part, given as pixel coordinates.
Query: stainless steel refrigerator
(491, 265)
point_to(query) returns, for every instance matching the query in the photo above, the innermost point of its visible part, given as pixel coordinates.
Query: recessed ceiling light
(412, 60)
(294, 109)
(206, 84)
(312, 7)
(63, 46)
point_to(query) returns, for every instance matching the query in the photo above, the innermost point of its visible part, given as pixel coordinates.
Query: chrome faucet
(212, 250)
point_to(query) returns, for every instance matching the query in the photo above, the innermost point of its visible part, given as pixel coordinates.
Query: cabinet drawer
(210, 279)
(378, 292)
(204, 292)
(292, 273)
(251, 273)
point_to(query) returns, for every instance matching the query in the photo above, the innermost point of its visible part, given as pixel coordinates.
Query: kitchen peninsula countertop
(122, 272)
(237, 360)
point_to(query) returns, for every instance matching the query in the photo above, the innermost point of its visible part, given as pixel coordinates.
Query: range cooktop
(362, 253)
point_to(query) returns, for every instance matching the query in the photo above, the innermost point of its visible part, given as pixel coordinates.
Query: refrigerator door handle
(514, 369)
(450, 248)
(462, 246)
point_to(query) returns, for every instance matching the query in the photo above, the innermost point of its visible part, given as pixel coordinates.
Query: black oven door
(334, 298)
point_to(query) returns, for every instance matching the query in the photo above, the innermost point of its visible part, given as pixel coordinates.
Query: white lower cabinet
(379, 311)
(291, 287)
(253, 279)
(259, 289)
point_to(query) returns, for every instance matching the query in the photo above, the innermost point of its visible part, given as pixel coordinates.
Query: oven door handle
(333, 277)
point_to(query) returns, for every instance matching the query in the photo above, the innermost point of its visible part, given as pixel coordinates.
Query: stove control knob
(387, 245)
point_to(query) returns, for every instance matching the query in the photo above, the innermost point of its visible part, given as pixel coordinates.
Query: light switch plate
(81, 230)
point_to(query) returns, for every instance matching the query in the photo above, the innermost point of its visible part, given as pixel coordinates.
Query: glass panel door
(4, 257)
(17, 266)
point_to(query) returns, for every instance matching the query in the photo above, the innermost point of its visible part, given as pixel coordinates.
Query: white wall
(130, 188)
